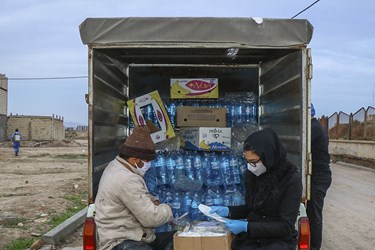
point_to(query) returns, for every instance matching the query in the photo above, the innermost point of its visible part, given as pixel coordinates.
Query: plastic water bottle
(226, 170)
(180, 167)
(162, 193)
(189, 169)
(198, 167)
(247, 112)
(148, 112)
(209, 198)
(254, 113)
(242, 164)
(206, 165)
(216, 176)
(171, 166)
(151, 180)
(228, 194)
(237, 198)
(218, 198)
(176, 204)
(194, 213)
(171, 110)
(131, 123)
(161, 168)
(231, 115)
(238, 112)
(186, 200)
(164, 197)
(233, 163)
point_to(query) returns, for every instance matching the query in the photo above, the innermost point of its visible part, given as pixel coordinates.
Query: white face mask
(141, 171)
(146, 166)
(258, 169)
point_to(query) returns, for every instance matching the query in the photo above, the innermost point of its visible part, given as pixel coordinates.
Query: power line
(308, 7)
(46, 78)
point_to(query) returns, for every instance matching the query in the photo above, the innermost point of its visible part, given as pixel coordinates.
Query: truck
(129, 57)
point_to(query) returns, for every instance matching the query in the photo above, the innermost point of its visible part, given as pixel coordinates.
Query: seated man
(126, 214)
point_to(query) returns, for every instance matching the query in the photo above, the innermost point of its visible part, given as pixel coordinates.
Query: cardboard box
(194, 88)
(153, 99)
(202, 243)
(207, 138)
(201, 117)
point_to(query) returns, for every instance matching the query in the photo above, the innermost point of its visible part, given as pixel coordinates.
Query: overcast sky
(40, 38)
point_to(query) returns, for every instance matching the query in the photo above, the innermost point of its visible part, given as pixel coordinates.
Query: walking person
(273, 196)
(16, 139)
(321, 179)
(126, 213)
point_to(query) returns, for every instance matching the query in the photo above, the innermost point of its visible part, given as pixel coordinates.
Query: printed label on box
(194, 88)
(205, 138)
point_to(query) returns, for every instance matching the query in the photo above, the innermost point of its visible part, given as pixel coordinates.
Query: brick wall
(37, 128)
(3, 127)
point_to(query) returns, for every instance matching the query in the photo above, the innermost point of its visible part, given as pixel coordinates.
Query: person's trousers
(16, 147)
(320, 183)
(163, 241)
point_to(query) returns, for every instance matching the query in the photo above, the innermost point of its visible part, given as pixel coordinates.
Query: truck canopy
(257, 32)
(129, 57)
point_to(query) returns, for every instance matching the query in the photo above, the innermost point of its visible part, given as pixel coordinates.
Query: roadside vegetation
(26, 242)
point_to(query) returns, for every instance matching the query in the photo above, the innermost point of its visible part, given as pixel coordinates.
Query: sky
(40, 39)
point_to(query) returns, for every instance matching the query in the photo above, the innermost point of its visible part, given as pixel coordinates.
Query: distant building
(82, 128)
(3, 106)
(37, 128)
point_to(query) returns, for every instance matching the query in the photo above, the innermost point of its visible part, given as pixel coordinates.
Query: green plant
(77, 206)
(19, 244)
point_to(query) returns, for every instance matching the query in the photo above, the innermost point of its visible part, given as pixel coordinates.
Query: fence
(357, 126)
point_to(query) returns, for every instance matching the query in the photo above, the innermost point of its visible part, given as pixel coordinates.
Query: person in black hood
(273, 195)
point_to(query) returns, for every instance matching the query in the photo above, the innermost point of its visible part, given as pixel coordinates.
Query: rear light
(304, 233)
(89, 234)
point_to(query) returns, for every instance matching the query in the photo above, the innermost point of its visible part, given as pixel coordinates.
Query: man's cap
(139, 144)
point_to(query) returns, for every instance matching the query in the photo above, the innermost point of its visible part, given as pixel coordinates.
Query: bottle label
(176, 205)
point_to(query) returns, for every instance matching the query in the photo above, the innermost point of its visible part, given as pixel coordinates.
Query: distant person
(321, 179)
(273, 196)
(16, 139)
(126, 213)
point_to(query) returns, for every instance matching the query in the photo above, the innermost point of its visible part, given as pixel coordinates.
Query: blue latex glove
(220, 210)
(236, 226)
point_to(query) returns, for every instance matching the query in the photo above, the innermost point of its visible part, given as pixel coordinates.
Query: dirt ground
(35, 184)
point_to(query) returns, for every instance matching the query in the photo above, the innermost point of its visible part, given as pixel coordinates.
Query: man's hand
(156, 202)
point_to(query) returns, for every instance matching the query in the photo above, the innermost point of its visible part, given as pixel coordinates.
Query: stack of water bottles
(241, 107)
(185, 179)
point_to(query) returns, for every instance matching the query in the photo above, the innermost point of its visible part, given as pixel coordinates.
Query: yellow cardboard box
(193, 88)
(202, 243)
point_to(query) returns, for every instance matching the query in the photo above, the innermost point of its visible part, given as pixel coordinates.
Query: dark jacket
(319, 148)
(272, 199)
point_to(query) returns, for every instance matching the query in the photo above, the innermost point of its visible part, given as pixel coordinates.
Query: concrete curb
(64, 229)
(353, 165)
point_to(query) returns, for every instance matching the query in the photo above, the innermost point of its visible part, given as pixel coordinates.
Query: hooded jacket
(273, 198)
(124, 207)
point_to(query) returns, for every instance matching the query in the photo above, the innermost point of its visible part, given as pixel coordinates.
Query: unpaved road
(349, 211)
(35, 184)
